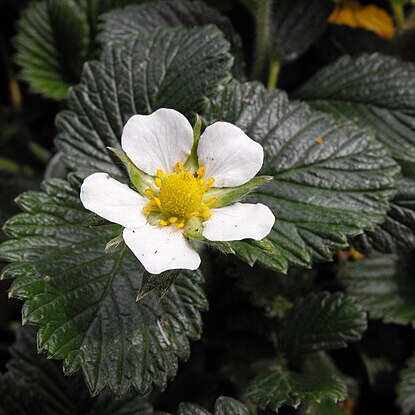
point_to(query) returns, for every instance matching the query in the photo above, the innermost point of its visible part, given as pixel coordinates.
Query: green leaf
(93, 9)
(165, 69)
(34, 385)
(162, 282)
(279, 386)
(273, 291)
(296, 24)
(10, 187)
(376, 91)
(120, 24)
(406, 388)
(52, 44)
(84, 300)
(397, 232)
(383, 285)
(320, 321)
(321, 193)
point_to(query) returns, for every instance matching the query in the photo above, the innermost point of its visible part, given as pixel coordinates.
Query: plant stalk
(262, 18)
(274, 71)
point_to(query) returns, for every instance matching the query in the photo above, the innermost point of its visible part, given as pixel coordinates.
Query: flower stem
(399, 14)
(262, 23)
(274, 70)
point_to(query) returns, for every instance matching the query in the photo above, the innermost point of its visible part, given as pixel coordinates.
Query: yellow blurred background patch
(370, 17)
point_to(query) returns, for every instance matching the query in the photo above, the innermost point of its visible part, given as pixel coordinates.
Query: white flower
(182, 190)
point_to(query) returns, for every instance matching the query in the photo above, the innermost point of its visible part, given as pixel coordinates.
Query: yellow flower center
(179, 196)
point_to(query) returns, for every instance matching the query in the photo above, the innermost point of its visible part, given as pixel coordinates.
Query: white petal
(157, 141)
(229, 155)
(239, 221)
(161, 248)
(113, 200)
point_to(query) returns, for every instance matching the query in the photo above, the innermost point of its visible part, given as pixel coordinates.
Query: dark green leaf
(384, 286)
(34, 385)
(397, 232)
(321, 192)
(279, 387)
(10, 187)
(52, 45)
(93, 9)
(162, 282)
(120, 24)
(376, 91)
(406, 388)
(84, 300)
(320, 321)
(274, 291)
(172, 68)
(296, 24)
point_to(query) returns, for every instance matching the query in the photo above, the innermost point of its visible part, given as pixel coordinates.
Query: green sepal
(193, 231)
(229, 195)
(140, 180)
(162, 282)
(93, 220)
(192, 162)
(114, 243)
(222, 247)
(264, 244)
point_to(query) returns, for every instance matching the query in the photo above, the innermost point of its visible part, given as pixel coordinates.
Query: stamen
(180, 225)
(163, 223)
(148, 192)
(157, 181)
(205, 207)
(157, 200)
(201, 181)
(179, 166)
(213, 201)
(200, 171)
(207, 215)
(173, 219)
(146, 209)
(211, 181)
(194, 214)
(153, 203)
(160, 173)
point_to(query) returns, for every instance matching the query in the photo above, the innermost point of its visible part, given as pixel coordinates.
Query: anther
(207, 215)
(157, 201)
(180, 225)
(179, 166)
(160, 173)
(153, 203)
(173, 219)
(200, 171)
(211, 181)
(213, 201)
(146, 209)
(148, 192)
(205, 207)
(157, 181)
(163, 223)
(194, 214)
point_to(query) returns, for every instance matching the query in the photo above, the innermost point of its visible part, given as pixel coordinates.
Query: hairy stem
(262, 42)
(274, 71)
